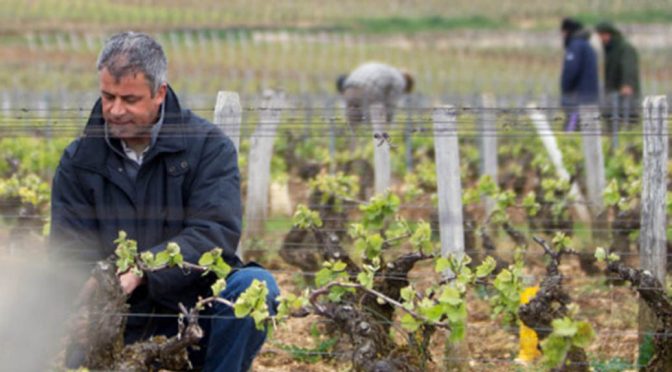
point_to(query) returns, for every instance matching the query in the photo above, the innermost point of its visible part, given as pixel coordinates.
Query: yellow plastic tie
(529, 342)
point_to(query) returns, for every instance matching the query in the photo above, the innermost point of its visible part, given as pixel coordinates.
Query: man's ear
(160, 95)
(340, 83)
(410, 82)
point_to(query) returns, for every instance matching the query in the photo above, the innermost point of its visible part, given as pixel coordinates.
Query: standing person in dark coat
(161, 174)
(579, 81)
(621, 72)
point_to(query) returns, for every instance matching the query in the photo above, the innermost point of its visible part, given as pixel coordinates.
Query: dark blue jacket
(579, 82)
(186, 191)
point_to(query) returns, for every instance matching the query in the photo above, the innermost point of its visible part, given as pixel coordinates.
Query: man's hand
(626, 90)
(129, 282)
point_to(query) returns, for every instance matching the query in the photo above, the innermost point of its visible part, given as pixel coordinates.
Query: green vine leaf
(612, 194)
(487, 186)
(126, 252)
(530, 204)
(218, 287)
(289, 303)
(554, 349)
(213, 262)
(332, 271)
(584, 335)
(566, 332)
(378, 210)
(600, 254)
(564, 327)
(409, 323)
(561, 241)
(486, 267)
(450, 296)
(441, 264)
(421, 239)
(305, 218)
(252, 302)
(337, 187)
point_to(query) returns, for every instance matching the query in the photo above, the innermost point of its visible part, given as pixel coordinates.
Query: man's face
(356, 108)
(605, 37)
(129, 108)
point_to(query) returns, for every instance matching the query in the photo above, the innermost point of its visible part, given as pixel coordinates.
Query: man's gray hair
(134, 52)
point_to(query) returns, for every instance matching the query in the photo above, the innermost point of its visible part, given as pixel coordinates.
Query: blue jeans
(233, 343)
(572, 121)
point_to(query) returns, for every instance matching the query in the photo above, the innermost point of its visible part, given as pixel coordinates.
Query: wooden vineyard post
(308, 109)
(547, 137)
(591, 134)
(449, 186)
(652, 240)
(408, 132)
(488, 130)
(228, 115)
(449, 191)
(329, 113)
(654, 187)
(259, 159)
(593, 157)
(381, 150)
(6, 106)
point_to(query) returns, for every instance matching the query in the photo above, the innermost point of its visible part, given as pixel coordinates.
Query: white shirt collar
(132, 155)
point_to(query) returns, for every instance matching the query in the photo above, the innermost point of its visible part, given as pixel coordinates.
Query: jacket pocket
(177, 167)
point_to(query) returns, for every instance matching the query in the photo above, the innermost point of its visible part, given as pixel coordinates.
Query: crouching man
(373, 83)
(162, 174)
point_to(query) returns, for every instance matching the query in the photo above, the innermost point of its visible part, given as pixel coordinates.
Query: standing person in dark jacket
(579, 82)
(161, 174)
(621, 72)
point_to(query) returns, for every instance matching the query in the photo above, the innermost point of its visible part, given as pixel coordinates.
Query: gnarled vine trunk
(652, 292)
(551, 303)
(103, 313)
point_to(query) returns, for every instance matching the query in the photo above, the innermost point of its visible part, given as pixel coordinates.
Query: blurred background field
(456, 50)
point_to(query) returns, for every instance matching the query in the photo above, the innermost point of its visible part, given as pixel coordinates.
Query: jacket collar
(93, 149)
(577, 35)
(617, 41)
